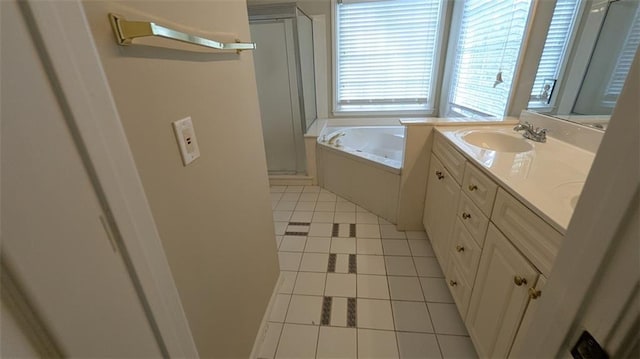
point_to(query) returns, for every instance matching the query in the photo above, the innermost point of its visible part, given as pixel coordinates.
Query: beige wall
(315, 7)
(213, 216)
(414, 177)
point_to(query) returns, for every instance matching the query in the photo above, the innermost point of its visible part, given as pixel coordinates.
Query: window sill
(359, 113)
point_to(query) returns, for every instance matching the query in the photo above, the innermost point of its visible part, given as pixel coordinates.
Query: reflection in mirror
(586, 58)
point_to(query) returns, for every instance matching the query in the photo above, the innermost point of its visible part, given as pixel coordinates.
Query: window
(485, 57)
(553, 54)
(623, 63)
(386, 55)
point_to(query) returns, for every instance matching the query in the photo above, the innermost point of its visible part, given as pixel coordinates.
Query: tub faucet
(537, 134)
(335, 137)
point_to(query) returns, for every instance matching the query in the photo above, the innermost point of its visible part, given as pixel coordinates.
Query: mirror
(587, 55)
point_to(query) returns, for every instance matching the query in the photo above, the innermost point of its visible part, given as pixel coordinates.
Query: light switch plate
(186, 137)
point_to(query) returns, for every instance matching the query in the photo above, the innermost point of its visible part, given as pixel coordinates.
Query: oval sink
(497, 141)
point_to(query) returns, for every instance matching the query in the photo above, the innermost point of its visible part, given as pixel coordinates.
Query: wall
(214, 216)
(417, 156)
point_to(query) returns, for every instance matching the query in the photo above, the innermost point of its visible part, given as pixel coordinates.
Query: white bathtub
(381, 145)
(363, 164)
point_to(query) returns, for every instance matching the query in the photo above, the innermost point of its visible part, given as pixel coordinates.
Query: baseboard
(290, 180)
(262, 330)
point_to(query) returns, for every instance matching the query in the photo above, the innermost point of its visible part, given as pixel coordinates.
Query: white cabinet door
(440, 207)
(500, 296)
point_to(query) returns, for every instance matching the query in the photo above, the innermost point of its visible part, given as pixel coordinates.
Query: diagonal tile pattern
(355, 286)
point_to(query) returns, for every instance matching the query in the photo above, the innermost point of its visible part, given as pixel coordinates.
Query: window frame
(435, 83)
(562, 69)
(450, 56)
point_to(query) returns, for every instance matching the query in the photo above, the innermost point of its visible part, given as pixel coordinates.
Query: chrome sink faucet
(537, 134)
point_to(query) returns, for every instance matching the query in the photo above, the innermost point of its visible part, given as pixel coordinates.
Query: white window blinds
(489, 42)
(555, 48)
(623, 63)
(385, 54)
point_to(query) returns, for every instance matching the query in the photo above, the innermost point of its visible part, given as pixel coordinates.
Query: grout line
(284, 321)
(324, 292)
(356, 274)
(431, 320)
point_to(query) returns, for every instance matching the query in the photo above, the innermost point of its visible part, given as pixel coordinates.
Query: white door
(54, 230)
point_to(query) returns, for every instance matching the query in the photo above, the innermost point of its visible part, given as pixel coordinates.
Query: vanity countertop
(548, 179)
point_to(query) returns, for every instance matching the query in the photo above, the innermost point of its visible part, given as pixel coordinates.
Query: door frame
(593, 234)
(67, 48)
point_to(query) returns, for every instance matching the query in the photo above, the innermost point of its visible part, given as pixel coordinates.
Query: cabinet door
(500, 296)
(440, 208)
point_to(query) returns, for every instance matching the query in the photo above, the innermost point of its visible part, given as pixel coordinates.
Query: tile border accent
(299, 234)
(351, 313)
(331, 265)
(325, 316)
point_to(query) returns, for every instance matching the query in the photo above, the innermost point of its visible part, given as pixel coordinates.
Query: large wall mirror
(587, 55)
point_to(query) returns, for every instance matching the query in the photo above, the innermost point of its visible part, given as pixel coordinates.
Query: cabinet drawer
(451, 159)
(459, 288)
(472, 218)
(534, 237)
(465, 252)
(480, 188)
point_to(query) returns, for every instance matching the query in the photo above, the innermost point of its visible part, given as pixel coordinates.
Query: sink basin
(497, 141)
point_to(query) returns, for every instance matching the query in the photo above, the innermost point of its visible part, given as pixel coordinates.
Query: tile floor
(355, 287)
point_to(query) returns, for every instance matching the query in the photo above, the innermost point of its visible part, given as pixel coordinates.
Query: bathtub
(363, 164)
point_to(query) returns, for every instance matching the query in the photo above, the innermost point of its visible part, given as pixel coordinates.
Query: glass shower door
(276, 66)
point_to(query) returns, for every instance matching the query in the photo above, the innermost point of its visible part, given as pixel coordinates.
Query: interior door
(55, 237)
(277, 84)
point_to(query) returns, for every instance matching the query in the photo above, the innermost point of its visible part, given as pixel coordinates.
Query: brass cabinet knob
(459, 248)
(465, 215)
(453, 283)
(440, 175)
(519, 280)
(472, 187)
(534, 293)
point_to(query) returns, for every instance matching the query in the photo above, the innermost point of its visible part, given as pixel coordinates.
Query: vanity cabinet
(440, 207)
(494, 251)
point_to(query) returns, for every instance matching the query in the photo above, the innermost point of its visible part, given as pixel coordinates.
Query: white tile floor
(403, 307)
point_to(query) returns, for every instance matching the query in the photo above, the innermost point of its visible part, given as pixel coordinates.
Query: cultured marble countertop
(548, 179)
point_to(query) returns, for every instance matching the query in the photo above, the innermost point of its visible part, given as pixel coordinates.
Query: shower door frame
(287, 15)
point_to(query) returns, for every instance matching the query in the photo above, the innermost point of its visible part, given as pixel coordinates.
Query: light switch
(186, 137)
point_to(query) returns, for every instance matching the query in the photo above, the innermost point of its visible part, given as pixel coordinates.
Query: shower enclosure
(286, 84)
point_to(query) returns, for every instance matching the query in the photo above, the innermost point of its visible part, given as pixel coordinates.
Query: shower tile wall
(355, 287)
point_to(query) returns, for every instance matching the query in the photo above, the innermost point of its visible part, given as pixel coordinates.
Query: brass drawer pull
(472, 187)
(465, 215)
(459, 248)
(534, 293)
(519, 280)
(453, 283)
(440, 175)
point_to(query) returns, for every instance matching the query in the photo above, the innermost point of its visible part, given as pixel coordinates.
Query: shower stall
(286, 83)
